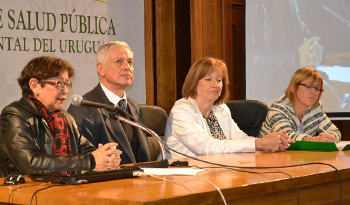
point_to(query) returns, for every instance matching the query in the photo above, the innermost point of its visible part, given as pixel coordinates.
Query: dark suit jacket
(96, 125)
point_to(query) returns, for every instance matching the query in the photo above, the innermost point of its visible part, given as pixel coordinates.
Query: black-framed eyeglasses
(309, 87)
(59, 84)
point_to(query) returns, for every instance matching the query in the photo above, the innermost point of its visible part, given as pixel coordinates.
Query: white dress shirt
(113, 98)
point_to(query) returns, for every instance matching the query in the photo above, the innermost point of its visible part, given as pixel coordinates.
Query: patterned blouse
(214, 126)
(281, 116)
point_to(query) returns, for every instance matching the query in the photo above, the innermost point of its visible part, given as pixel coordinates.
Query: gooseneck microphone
(78, 101)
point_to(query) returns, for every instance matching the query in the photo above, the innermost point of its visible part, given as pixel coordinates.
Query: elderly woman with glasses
(201, 123)
(299, 110)
(37, 134)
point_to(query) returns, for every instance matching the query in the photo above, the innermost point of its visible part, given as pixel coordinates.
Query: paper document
(171, 171)
(343, 145)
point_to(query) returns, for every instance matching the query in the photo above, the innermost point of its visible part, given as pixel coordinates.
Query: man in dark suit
(116, 71)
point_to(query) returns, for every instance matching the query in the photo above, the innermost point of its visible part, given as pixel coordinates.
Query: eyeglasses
(59, 84)
(308, 87)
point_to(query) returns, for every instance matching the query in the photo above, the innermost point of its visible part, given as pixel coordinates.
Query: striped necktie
(121, 104)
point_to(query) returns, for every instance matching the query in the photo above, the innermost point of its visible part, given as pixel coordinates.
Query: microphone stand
(157, 164)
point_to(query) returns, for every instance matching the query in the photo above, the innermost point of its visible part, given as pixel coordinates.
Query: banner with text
(72, 30)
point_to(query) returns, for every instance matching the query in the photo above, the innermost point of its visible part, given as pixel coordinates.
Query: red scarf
(58, 125)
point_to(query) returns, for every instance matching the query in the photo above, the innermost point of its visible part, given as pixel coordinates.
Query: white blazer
(187, 131)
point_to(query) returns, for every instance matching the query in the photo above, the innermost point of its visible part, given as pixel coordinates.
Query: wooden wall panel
(210, 34)
(206, 29)
(165, 53)
(196, 30)
(149, 53)
(182, 42)
(218, 31)
(212, 29)
(237, 60)
(227, 41)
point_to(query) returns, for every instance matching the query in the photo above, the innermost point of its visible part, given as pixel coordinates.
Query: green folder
(347, 147)
(315, 146)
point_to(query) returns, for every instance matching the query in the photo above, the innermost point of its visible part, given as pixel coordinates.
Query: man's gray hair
(102, 53)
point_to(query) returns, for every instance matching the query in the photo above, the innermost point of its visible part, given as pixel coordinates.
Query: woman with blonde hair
(299, 111)
(200, 123)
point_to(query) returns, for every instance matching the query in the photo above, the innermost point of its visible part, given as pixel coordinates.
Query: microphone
(78, 101)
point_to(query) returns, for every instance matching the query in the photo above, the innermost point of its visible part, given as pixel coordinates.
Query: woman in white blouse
(200, 123)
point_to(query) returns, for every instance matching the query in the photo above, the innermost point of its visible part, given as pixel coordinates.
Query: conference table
(316, 183)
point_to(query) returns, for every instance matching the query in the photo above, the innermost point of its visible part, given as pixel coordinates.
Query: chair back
(248, 114)
(155, 118)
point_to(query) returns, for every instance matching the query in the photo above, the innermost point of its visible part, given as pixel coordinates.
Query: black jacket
(98, 127)
(27, 142)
